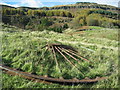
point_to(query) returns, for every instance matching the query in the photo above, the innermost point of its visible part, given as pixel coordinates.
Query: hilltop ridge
(71, 6)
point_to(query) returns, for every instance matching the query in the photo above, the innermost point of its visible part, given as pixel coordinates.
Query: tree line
(96, 18)
(19, 12)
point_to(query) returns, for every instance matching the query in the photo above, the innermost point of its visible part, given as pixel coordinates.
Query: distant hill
(60, 17)
(6, 6)
(77, 5)
(86, 5)
(27, 8)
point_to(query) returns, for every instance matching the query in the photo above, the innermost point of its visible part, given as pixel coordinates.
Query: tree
(68, 14)
(21, 12)
(43, 13)
(93, 20)
(62, 13)
(46, 22)
(57, 13)
(65, 26)
(49, 13)
(4, 12)
(29, 12)
(7, 12)
(81, 22)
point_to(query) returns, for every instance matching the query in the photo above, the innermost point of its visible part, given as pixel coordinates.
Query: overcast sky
(49, 3)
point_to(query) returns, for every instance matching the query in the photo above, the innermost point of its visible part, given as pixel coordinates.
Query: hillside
(67, 43)
(59, 18)
(74, 6)
(23, 50)
(82, 5)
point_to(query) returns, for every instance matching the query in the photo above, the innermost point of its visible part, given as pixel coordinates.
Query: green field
(23, 49)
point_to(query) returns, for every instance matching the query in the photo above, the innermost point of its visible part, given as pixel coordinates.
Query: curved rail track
(48, 80)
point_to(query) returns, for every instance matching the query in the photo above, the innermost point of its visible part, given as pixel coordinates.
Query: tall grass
(23, 50)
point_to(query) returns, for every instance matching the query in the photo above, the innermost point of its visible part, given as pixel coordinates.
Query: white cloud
(28, 3)
(38, 3)
(15, 5)
(31, 3)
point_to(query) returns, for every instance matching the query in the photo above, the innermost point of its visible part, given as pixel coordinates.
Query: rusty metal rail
(48, 80)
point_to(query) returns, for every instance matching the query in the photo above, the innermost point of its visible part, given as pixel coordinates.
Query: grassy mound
(23, 50)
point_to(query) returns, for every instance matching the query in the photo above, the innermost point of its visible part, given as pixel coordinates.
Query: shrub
(65, 26)
(93, 20)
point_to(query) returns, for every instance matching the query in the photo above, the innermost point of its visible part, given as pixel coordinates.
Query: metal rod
(68, 60)
(72, 52)
(54, 55)
(44, 79)
(70, 55)
(56, 59)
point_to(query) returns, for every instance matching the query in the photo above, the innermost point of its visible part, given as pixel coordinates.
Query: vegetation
(84, 3)
(85, 26)
(33, 18)
(92, 18)
(23, 50)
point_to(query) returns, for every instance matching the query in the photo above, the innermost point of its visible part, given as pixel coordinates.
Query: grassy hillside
(90, 28)
(22, 49)
(59, 18)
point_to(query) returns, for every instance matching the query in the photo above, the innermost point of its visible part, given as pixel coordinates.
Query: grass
(22, 49)
(95, 27)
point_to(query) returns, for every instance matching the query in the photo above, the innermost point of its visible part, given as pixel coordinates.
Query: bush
(56, 29)
(93, 20)
(65, 26)
(39, 24)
